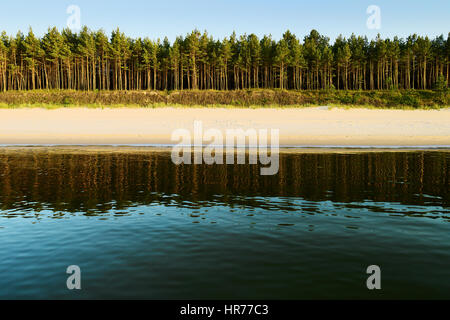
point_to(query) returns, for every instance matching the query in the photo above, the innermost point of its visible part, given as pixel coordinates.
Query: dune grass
(227, 106)
(256, 98)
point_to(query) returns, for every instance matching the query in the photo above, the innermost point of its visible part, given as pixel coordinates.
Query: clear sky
(170, 18)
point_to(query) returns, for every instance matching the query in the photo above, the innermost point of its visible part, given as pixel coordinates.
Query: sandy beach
(298, 127)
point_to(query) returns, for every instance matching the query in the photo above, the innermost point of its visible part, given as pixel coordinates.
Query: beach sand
(298, 126)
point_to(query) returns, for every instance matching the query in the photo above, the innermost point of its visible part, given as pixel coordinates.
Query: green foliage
(441, 85)
(90, 61)
(241, 98)
(67, 101)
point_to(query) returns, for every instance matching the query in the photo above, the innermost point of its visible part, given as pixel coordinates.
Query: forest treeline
(90, 60)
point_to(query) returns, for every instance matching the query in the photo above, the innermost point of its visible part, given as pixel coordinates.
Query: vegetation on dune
(437, 98)
(90, 61)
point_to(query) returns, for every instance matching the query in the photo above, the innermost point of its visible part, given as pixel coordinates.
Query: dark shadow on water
(96, 183)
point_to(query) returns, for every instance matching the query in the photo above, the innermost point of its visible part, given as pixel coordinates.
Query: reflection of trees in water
(101, 181)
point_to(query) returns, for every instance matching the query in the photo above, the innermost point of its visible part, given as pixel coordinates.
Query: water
(140, 227)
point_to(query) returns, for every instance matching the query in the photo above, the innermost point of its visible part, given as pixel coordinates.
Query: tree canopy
(90, 60)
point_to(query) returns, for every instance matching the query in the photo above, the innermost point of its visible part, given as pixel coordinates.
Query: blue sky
(157, 19)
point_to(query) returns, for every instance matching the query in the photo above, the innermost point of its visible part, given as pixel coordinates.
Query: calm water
(140, 227)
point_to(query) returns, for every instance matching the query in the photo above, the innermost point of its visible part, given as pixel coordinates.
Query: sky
(157, 19)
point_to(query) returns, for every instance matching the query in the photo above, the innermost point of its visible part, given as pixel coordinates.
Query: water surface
(140, 227)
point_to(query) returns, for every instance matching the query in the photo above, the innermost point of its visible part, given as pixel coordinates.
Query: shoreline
(123, 149)
(299, 128)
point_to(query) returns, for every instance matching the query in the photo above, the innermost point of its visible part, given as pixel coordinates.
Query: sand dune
(298, 127)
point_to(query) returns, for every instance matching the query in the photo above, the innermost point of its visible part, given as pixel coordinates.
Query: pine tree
(90, 60)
